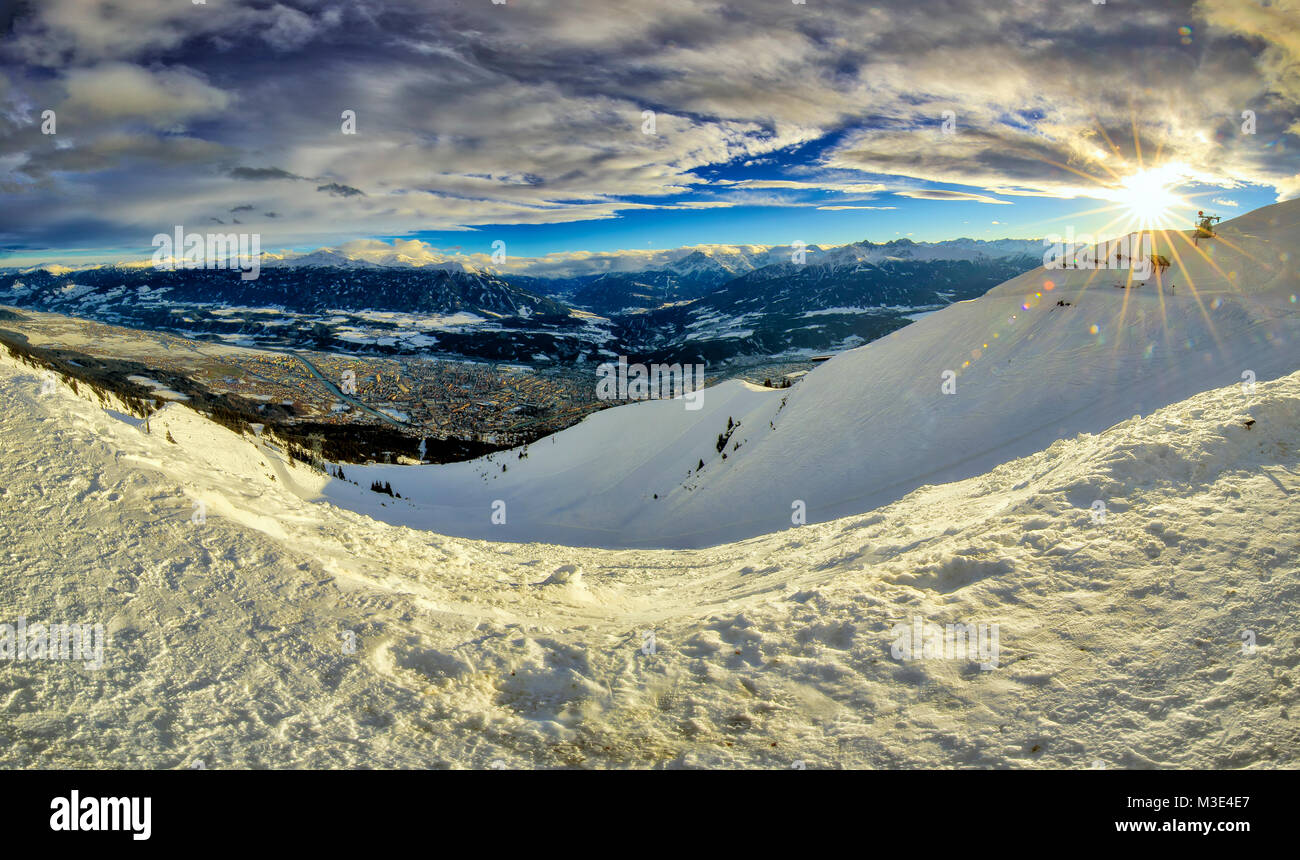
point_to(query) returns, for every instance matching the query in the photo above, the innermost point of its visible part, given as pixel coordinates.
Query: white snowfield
(1143, 577)
(874, 423)
(1155, 631)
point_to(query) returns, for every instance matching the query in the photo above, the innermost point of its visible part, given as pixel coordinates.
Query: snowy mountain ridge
(730, 260)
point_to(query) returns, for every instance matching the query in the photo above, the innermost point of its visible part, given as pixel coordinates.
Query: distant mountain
(699, 266)
(708, 303)
(316, 286)
(717, 263)
(970, 250)
(841, 302)
(336, 258)
(355, 308)
(619, 293)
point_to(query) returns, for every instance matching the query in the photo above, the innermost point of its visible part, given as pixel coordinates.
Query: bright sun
(1148, 195)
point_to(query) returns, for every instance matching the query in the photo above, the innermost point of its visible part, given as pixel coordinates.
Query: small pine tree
(169, 437)
(700, 465)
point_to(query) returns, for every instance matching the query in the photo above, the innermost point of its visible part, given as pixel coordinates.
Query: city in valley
(423, 398)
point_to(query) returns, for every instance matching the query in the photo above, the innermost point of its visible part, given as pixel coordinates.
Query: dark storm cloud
(482, 113)
(337, 190)
(261, 174)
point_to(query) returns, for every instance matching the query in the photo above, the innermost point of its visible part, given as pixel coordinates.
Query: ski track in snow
(1120, 641)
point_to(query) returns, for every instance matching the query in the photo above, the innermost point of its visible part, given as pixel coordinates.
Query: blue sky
(919, 220)
(827, 123)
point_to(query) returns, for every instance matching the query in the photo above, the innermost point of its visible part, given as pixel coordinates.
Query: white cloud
(124, 91)
(940, 194)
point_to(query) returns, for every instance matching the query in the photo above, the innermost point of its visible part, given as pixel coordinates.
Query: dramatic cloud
(468, 115)
(1275, 23)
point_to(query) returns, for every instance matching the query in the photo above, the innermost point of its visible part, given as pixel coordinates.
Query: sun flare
(1148, 195)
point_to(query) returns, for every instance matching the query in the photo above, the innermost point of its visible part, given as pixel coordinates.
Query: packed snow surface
(231, 594)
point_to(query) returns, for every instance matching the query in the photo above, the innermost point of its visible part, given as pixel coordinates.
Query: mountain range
(710, 303)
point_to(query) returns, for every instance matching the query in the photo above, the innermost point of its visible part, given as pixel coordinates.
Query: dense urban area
(499, 404)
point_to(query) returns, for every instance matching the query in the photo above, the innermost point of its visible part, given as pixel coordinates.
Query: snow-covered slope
(874, 423)
(1159, 634)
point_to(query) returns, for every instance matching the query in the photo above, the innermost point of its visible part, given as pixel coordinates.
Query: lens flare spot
(1048, 285)
(1092, 329)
